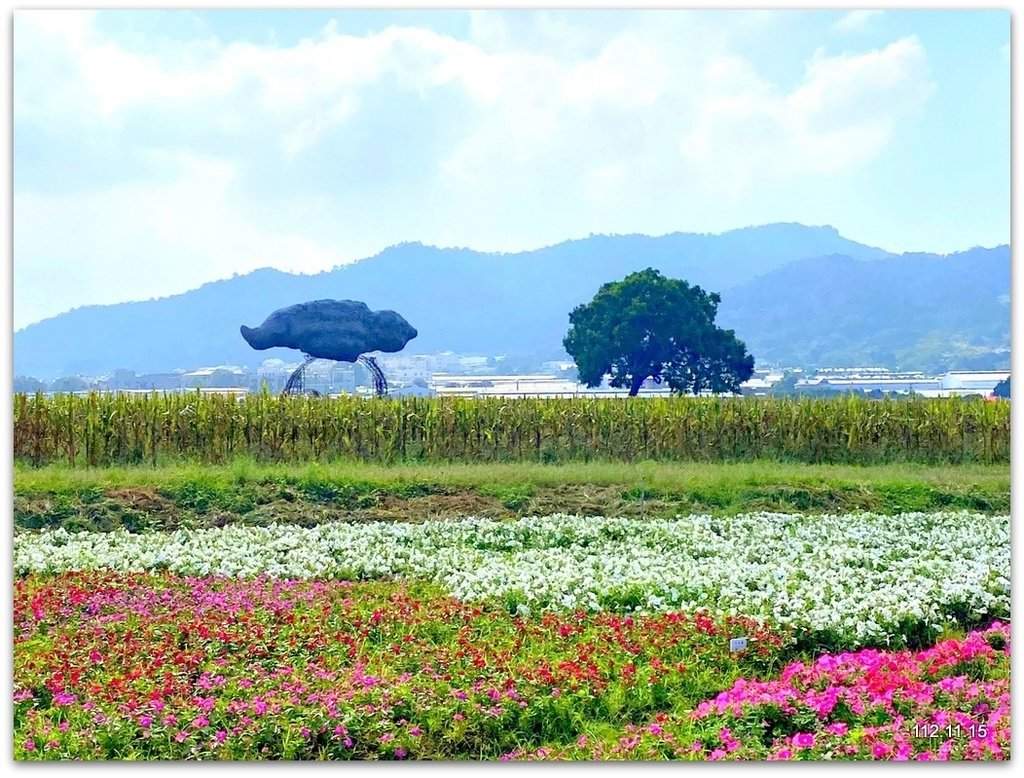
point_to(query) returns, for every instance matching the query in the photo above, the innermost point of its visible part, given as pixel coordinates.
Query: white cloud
(536, 128)
(854, 21)
(152, 240)
(838, 118)
(306, 133)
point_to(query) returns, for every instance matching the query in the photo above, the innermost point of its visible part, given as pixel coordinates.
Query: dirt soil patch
(148, 500)
(434, 506)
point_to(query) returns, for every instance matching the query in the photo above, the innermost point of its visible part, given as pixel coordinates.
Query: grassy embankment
(167, 497)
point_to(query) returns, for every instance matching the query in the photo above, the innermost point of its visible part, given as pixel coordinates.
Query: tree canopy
(649, 326)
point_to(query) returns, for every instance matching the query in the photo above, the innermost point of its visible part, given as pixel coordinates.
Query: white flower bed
(860, 574)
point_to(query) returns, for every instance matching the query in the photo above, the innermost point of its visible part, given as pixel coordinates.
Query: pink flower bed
(948, 702)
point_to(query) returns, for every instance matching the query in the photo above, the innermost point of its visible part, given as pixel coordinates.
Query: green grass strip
(194, 495)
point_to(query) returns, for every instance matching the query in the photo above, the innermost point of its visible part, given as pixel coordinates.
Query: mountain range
(796, 295)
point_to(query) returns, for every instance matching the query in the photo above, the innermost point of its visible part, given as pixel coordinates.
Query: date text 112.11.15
(951, 731)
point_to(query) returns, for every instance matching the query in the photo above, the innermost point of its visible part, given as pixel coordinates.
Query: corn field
(108, 429)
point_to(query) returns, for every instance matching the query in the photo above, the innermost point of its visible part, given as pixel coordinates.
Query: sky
(155, 151)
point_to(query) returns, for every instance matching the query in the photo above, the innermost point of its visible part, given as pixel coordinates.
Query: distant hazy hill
(915, 311)
(472, 302)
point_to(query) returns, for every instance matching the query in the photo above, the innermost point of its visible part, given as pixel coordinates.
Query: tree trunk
(634, 387)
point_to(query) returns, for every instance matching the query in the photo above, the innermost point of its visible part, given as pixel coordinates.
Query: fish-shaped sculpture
(341, 330)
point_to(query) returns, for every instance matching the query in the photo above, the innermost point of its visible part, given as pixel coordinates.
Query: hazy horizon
(471, 248)
(156, 151)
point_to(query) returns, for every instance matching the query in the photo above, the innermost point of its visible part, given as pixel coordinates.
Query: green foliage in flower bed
(949, 702)
(111, 666)
(839, 580)
(157, 666)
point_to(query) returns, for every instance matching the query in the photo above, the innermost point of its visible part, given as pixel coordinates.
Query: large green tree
(649, 326)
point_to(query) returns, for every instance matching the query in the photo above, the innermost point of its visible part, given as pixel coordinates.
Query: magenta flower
(415, 731)
(803, 740)
(146, 722)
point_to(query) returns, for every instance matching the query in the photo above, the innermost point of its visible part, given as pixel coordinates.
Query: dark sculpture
(341, 330)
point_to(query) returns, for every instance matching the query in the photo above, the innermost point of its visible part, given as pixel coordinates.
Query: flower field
(161, 666)
(948, 702)
(554, 637)
(839, 581)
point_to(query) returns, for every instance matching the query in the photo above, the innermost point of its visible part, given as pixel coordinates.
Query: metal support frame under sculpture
(340, 330)
(380, 383)
(297, 381)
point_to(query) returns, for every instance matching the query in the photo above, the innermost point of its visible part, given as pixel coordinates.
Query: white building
(405, 369)
(223, 376)
(522, 386)
(759, 385)
(865, 384)
(982, 381)
(559, 366)
(276, 368)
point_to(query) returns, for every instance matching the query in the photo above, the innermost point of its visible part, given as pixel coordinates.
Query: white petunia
(860, 574)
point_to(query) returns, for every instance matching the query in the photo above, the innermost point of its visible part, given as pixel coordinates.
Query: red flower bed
(111, 666)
